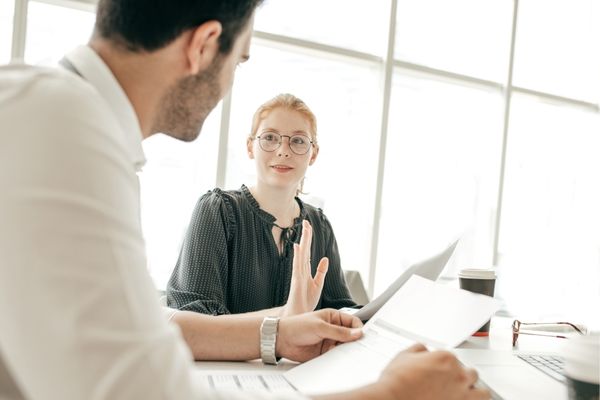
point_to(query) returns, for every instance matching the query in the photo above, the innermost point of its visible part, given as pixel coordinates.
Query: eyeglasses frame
(312, 143)
(516, 326)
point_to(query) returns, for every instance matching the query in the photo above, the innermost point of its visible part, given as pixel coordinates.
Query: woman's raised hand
(305, 290)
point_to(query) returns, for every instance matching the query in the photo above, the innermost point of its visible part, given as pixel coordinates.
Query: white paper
(421, 311)
(430, 268)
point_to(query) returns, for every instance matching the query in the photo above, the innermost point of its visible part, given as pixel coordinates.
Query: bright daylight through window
(6, 27)
(509, 161)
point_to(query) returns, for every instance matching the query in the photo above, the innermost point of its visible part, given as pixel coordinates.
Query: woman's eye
(270, 137)
(298, 140)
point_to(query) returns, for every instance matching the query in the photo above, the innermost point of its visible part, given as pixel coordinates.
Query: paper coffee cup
(582, 366)
(480, 281)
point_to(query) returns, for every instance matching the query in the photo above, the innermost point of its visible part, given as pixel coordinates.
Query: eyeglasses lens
(299, 144)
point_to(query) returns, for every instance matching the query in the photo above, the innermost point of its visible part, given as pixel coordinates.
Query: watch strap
(268, 340)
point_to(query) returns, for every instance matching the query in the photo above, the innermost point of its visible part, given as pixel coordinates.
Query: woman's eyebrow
(298, 131)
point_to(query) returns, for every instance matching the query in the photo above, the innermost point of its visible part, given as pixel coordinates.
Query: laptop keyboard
(274, 383)
(550, 365)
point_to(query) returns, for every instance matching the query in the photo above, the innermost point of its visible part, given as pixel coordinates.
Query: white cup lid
(474, 273)
(582, 357)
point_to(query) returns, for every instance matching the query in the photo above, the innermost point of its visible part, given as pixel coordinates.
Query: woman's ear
(314, 155)
(203, 46)
(250, 147)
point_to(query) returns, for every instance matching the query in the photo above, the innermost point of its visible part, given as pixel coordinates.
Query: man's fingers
(479, 394)
(339, 333)
(321, 272)
(327, 345)
(350, 321)
(472, 376)
(415, 348)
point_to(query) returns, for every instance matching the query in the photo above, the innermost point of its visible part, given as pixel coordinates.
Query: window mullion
(19, 30)
(385, 111)
(507, 99)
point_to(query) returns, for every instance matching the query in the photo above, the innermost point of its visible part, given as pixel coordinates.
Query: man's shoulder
(50, 97)
(29, 86)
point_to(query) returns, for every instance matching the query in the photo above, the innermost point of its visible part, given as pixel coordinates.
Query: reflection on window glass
(352, 24)
(557, 48)
(441, 172)
(345, 98)
(176, 174)
(6, 28)
(53, 31)
(550, 230)
(470, 37)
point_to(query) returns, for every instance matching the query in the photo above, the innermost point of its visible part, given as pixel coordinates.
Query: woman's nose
(284, 148)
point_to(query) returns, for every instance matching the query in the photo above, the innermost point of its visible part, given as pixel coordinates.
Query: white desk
(500, 339)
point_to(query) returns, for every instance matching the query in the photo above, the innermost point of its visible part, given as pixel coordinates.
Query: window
(557, 48)
(176, 174)
(54, 30)
(350, 24)
(550, 227)
(441, 169)
(6, 27)
(344, 97)
(445, 134)
(469, 37)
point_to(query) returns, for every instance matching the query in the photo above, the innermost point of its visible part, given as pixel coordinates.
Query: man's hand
(419, 374)
(305, 291)
(304, 337)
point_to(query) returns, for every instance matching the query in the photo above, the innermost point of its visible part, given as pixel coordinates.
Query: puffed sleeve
(199, 280)
(335, 292)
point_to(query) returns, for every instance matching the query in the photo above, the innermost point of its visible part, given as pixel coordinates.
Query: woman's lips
(281, 168)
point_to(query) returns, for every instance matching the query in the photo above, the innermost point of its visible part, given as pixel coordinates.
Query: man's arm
(79, 313)
(237, 337)
(414, 374)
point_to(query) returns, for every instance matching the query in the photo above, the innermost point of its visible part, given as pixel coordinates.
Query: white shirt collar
(93, 69)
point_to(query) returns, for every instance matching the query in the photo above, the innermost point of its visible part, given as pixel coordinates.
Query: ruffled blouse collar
(270, 219)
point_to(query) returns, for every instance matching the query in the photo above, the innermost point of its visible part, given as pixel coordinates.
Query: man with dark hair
(79, 315)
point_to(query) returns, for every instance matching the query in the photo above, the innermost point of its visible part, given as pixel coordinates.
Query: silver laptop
(518, 375)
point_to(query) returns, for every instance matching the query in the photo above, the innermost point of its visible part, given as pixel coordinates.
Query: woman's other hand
(305, 290)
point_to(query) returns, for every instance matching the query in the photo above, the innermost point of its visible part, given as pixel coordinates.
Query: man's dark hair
(147, 25)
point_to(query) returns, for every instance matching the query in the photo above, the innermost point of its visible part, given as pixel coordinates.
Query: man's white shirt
(79, 314)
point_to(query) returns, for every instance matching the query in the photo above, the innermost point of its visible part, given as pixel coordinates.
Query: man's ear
(314, 155)
(203, 46)
(250, 147)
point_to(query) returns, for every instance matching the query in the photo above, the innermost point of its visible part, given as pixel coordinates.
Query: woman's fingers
(321, 272)
(297, 263)
(305, 242)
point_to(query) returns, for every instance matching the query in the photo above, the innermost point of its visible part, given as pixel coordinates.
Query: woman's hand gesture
(305, 290)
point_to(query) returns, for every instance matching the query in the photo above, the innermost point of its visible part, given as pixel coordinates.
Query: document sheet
(436, 315)
(430, 268)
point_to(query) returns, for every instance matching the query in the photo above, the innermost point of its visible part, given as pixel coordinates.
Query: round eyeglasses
(271, 141)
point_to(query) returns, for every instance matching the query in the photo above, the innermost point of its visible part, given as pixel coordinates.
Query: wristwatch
(268, 339)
